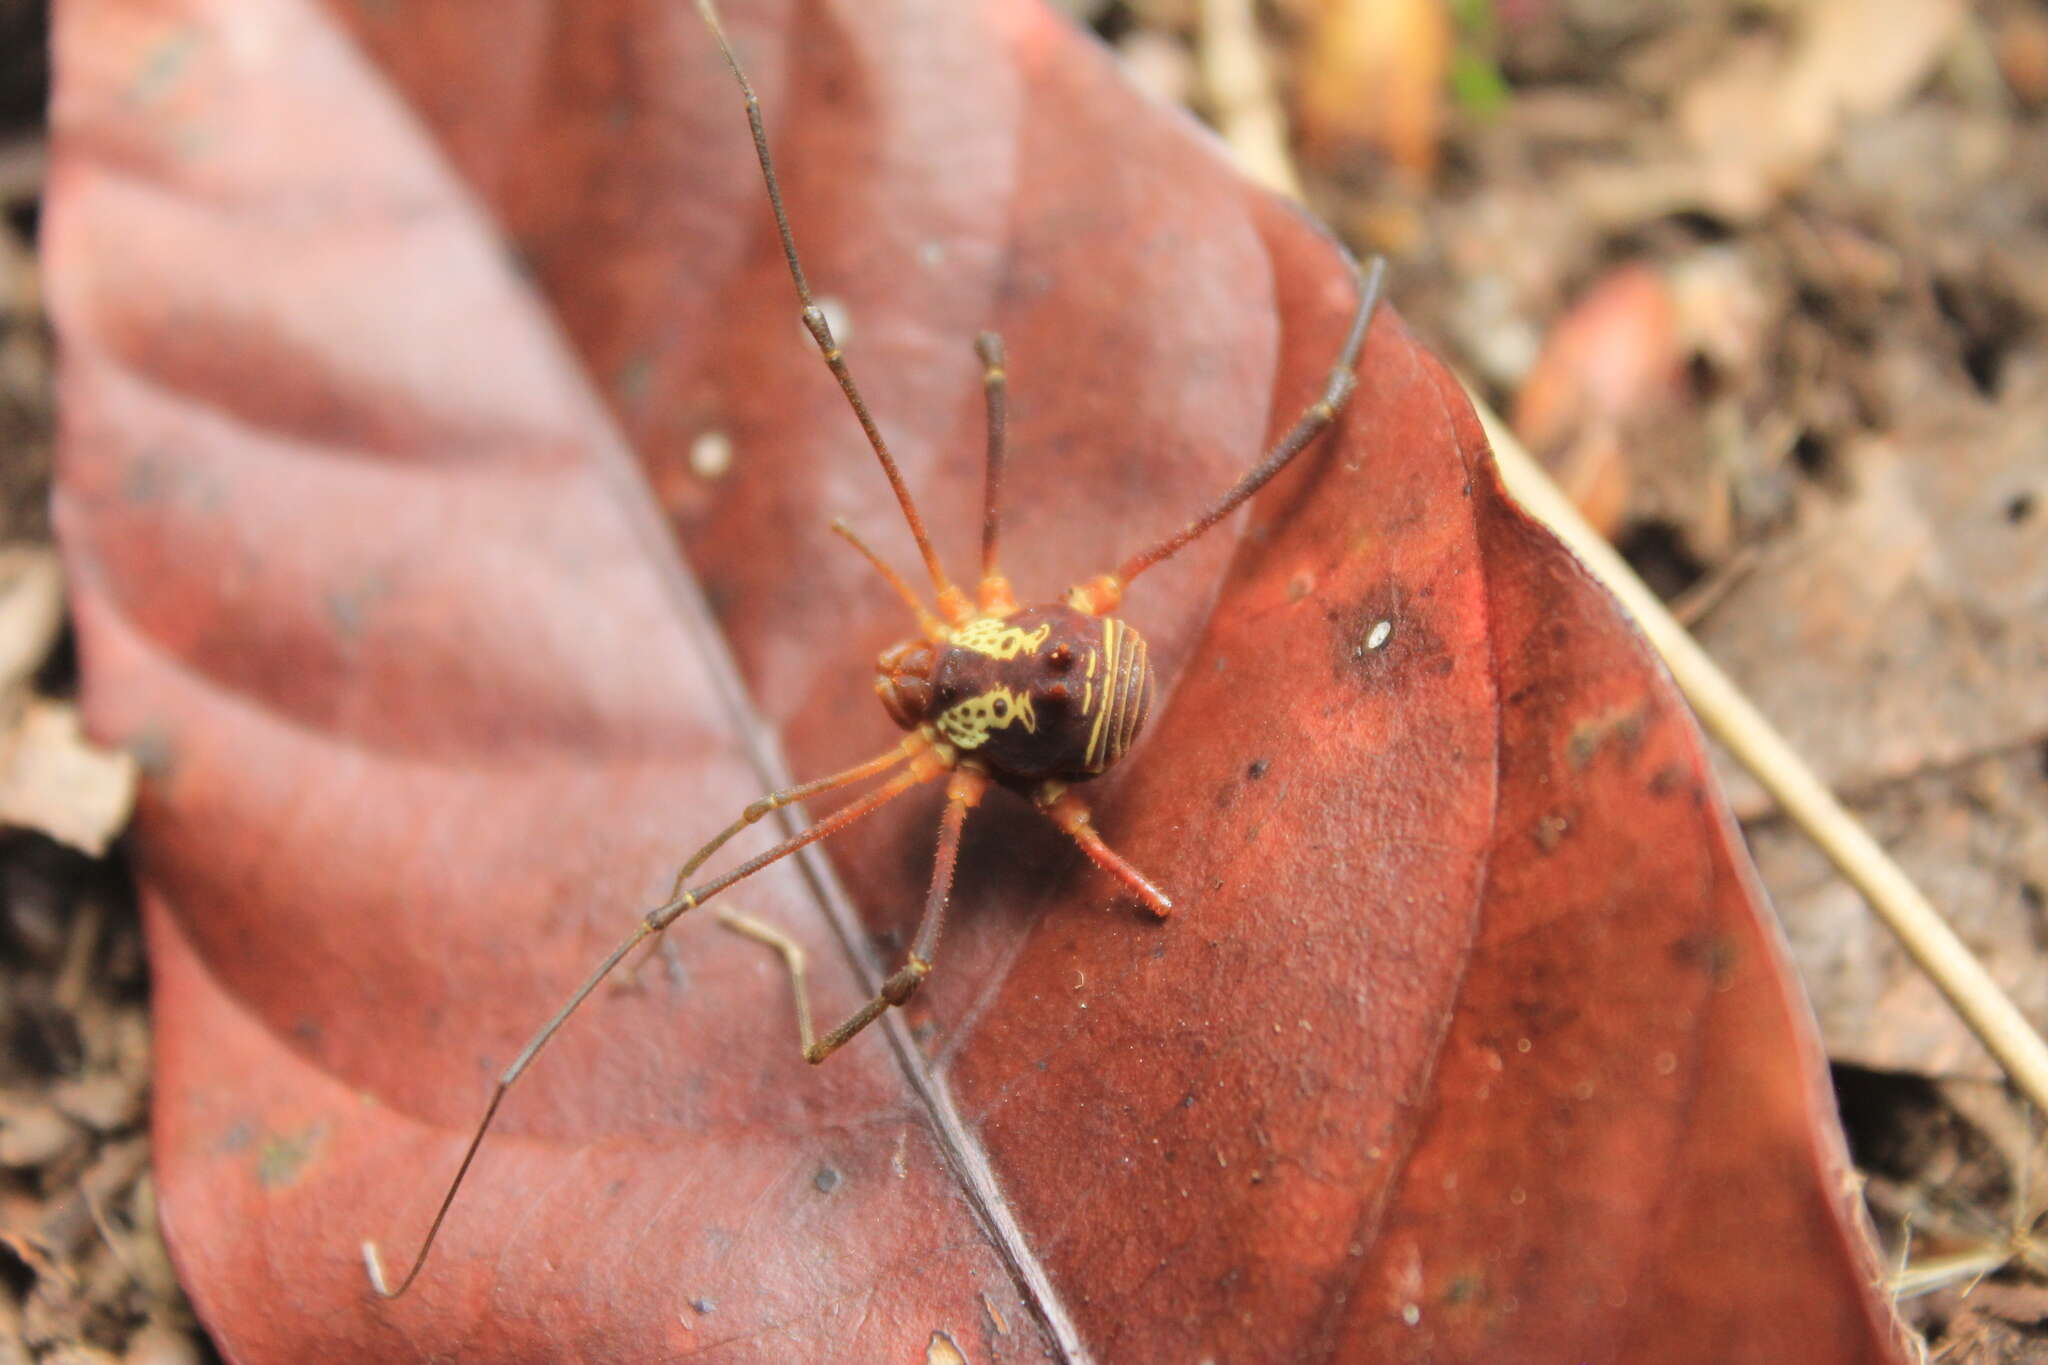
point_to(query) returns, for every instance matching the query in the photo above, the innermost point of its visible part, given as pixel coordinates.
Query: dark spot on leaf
(146, 481)
(1667, 779)
(826, 1180)
(1590, 736)
(349, 607)
(2019, 507)
(1257, 769)
(163, 66)
(154, 751)
(635, 380)
(156, 477)
(1463, 1288)
(283, 1156)
(1550, 831)
(1715, 954)
(703, 1305)
(523, 260)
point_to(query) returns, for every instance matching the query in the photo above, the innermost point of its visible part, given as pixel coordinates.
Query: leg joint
(898, 989)
(661, 916)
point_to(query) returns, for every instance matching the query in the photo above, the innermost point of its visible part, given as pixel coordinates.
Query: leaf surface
(394, 335)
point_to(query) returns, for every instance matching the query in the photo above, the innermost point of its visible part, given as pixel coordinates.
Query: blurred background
(1763, 284)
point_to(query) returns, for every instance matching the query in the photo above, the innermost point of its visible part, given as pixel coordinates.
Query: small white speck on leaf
(711, 455)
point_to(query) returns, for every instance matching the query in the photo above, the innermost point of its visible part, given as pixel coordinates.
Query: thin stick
(1730, 718)
(952, 603)
(653, 922)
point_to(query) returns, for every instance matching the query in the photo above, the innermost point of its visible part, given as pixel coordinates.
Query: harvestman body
(1034, 698)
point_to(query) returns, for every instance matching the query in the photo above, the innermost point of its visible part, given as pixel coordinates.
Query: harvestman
(1033, 698)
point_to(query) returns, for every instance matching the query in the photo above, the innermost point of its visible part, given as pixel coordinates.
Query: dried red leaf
(1471, 1039)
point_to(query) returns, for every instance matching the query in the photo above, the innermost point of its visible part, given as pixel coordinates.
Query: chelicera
(1034, 698)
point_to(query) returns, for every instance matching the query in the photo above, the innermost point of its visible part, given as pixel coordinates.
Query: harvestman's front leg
(963, 793)
(754, 813)
(1102, 594)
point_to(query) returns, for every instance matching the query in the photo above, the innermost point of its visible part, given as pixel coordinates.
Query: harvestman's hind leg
(1067, 810)
(963, 792)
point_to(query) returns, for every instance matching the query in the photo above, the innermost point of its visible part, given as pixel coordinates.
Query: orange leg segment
(1070, 813)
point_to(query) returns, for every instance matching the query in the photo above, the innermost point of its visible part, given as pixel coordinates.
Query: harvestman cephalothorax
(1035, 698)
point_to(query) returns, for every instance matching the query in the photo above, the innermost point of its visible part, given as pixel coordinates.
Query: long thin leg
(953, 603)
(1101, 594)
(1067, 810)
(963, 794)
(926, 622)
(774, 801)
(994, 593)
(923, 768)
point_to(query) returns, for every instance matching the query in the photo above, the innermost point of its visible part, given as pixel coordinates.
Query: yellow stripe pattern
(1122, 703)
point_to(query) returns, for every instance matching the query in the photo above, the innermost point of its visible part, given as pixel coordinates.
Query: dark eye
(1002, 708)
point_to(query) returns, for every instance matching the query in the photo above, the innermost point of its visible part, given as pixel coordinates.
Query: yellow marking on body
(1087, 698)
(1093, 756)
(967, 724)
(987, 635)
